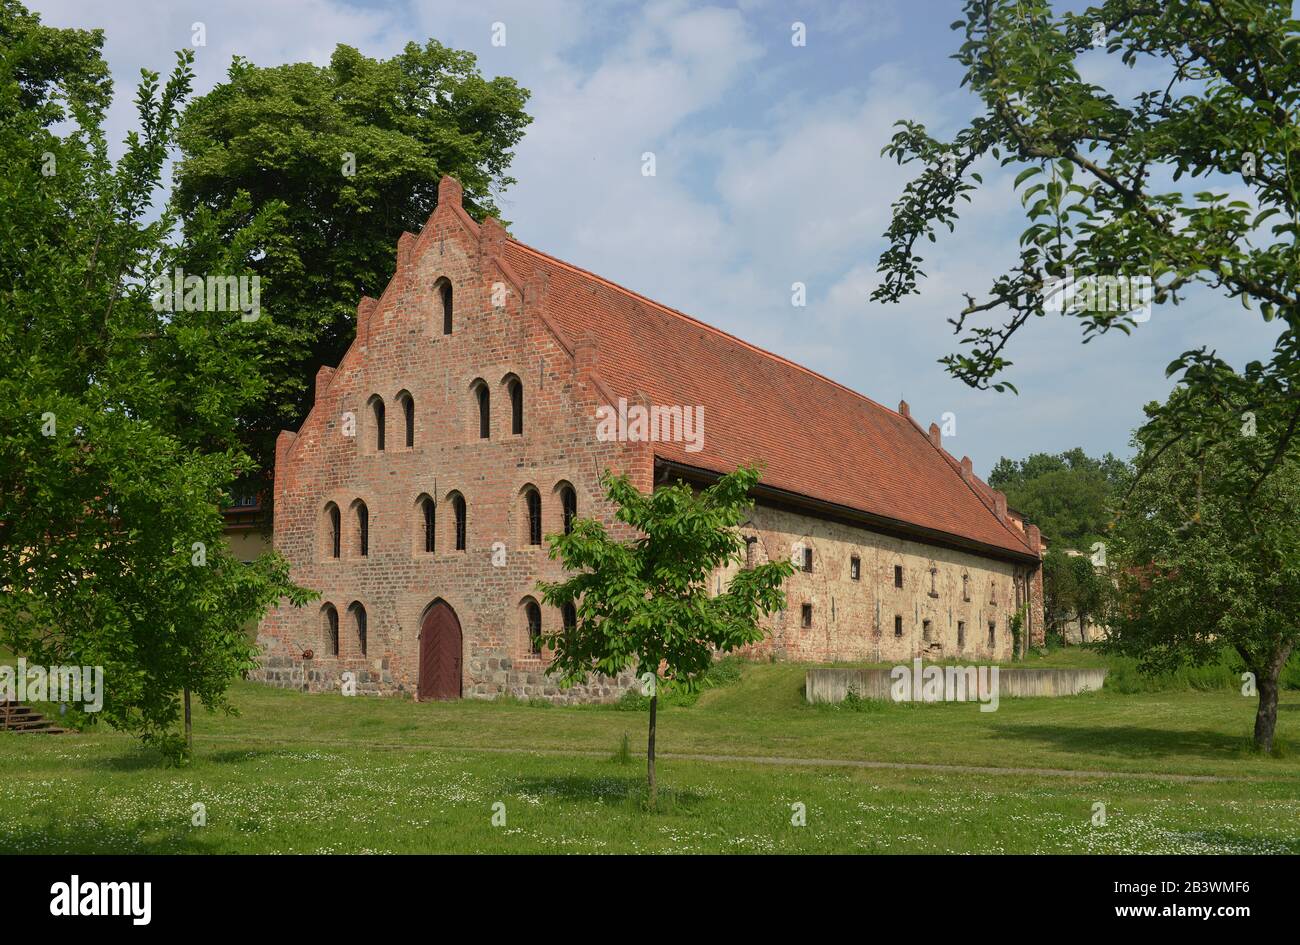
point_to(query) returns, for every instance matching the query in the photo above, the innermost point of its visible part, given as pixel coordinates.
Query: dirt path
(774, 760)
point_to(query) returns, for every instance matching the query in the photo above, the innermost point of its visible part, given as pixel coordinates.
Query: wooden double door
(440, 654)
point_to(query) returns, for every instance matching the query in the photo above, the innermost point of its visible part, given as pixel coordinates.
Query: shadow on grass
(96, 837)
(1129, 741)
(234, 756)
(1235, 842)
(139, 759)
(614, 791)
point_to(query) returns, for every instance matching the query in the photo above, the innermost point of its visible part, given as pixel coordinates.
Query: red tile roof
(813, 437)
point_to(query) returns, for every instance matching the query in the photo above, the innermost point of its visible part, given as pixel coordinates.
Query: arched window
(359, 625)
(377, 419)
(429, 514)
(569, 503)
(483, 398)
(533, 505)
(444, 293)
(533, 617)
(333, 530)
(569, 614)
(516, 390)
(459, 514)
(330, 624)
(363, 528)
(408, 415)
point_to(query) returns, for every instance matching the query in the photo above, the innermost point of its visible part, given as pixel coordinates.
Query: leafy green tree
(1207, 554)
(342, 159)
(1067, 495)
(118, 440)
(645, 602)
(1104, 178)
(1073, 589)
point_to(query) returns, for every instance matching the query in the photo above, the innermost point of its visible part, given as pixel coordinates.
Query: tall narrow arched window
(333, 530)
(330, 624)
(533, 617)
(358, 613)
(516, 389)
(444, 293)
(569, 504)
(483, 397)
(377, 421)
(533, 507)
(408, 416)
(569, 615)
(459, 514)
(429, 513)
(363, 529)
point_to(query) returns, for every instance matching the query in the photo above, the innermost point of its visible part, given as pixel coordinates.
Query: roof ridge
(954, 464)
(702, 324)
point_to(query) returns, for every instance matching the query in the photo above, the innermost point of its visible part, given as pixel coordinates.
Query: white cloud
(768, 171)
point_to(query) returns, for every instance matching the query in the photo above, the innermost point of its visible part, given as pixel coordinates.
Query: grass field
(324, 773)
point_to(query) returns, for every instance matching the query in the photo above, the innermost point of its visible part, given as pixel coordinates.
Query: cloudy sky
(768, 172)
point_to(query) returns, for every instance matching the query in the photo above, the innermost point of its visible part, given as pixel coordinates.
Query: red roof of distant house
(814, 437)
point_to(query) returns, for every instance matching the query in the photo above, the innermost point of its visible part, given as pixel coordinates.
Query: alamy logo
(945, 684)
(84, 684)
(655, 424)
(178, 292)
(1069, 294)
(78, 898)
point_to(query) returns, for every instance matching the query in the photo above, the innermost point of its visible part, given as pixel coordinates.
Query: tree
(1099, 174)
(645, 603)
(1205, 555)
(341, 159)
(118, 439)
(1067, 495)
(1072, 589)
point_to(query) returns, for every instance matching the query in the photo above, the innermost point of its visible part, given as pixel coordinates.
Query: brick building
(485, 393)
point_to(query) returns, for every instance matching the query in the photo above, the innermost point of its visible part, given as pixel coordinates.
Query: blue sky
(768, 172)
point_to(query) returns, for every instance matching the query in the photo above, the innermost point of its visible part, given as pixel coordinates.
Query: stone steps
(16, 717)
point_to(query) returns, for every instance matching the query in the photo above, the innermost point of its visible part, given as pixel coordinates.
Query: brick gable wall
(401, 347)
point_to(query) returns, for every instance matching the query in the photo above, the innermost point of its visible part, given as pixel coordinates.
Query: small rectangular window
(993, 632)
(927, 631)
(934, 587)
(855, 568)
(961, 634)
(898, 625)
(965, 587)
(807, 559)
(898, 575)
(806, 615)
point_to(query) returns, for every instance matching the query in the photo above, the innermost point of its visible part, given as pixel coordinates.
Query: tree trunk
(1266, 715)
(189, 730)
(650, 751)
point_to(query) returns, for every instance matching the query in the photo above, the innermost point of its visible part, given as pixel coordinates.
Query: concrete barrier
(833, 685)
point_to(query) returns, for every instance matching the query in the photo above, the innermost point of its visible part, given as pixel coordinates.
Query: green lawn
(324, 773)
